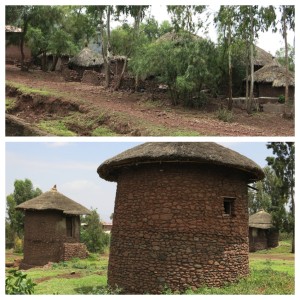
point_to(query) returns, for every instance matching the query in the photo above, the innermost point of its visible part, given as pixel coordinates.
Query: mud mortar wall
(170, 228)
(45, 233)
(71, 250)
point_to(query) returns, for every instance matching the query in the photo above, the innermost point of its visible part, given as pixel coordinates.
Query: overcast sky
(73, 167)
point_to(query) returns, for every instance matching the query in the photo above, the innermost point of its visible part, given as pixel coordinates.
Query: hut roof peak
(54, 188)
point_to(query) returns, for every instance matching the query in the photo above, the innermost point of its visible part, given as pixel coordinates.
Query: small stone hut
(180, 216)
(262, 234)
(51, 229)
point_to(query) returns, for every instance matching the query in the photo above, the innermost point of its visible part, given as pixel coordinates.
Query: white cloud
(57, 144)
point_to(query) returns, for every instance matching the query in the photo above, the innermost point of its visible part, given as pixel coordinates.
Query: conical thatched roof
(86, 58)
(54, 200)
(261, 220)
(262, 57)
(174, 36)
(196, 153)
(274, 73)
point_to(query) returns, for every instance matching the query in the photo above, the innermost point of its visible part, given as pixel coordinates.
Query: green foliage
(18, 246)
(280, 56)
(224, 115)
(23, 191)
(92, 234)
(16, 283)
(281, 99)
(186, 64)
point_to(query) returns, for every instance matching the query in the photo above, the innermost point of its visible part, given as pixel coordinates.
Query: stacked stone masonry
(45, 237)
(170, 228)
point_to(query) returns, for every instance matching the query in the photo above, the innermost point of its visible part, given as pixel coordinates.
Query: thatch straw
(261, 220)
(262, 57)
(56, 201)
(274, 73)
(195, 153)
(86, 58)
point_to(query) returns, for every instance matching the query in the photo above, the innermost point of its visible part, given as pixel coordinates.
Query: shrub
(18, 246)
(281, 99)
(16, 283)
(224, 114)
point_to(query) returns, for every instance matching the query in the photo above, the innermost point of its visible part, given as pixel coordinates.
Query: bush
(16, 283)
(224, 114)
(18, 245)
(281, 99)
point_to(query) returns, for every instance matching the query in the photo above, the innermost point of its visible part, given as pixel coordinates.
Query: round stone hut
(51, 229)
(262, 233)
(180, 217)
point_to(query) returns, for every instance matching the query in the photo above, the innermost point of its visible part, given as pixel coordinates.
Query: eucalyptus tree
(187, 17)
(226, 21)
(287, 23)
(138, 13)
(283, 164)
(252, 20)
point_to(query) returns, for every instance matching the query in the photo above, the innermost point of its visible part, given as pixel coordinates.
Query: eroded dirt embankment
(88, 110)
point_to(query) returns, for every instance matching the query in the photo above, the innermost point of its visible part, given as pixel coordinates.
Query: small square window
(228, 206)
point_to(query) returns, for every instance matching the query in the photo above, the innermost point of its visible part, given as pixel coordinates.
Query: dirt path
(140, 107)
(272, 256)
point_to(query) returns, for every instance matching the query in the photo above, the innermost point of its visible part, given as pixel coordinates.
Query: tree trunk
(44, 61)
(22, 42)
(121, 75)
(229, 70)
(54, 63)
(286, 96)
(249, 104)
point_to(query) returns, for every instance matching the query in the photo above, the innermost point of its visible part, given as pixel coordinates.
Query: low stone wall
(71, 250)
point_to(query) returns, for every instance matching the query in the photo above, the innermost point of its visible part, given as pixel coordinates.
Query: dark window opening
(229, 206)
(69, 225)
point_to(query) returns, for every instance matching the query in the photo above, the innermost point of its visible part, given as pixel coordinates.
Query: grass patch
(260, 282)
(284, 266)
(224, 115)
(56, 127)
(10, 103)
(24, 89)
(103, 131)
(283, 247)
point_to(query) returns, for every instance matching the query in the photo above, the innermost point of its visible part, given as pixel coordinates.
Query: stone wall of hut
(260, 239)
(45, 233)
(171, 228)
(71, 250)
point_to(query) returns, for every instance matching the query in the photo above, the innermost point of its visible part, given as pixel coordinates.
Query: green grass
(56, 127)
(103, 131)
(260, 282)
(284, 247)
(10, 103)
(285, 266)
(267, 277)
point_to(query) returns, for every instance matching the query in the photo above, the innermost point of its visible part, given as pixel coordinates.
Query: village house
(262, 234)
(270, 81)
(180, 216)
(51, 229)
(12, 45)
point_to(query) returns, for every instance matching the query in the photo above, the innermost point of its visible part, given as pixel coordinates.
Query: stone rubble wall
(71, 250)
(170, 228)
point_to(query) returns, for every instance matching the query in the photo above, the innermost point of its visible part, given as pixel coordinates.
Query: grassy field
(272, 272)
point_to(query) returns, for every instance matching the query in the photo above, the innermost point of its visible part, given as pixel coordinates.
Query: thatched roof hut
(179, 206)
(53, 200)
(261, 219)
(86, 58)
(51, 229)
(262, 233)
(275, 74)
(200, 153)
(261, 57)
